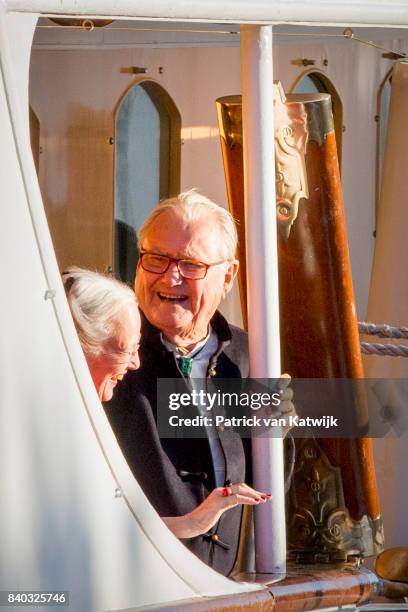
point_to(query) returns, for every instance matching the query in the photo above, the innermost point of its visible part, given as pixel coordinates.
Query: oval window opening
(147, 165)
(317, 82)
(383, 107)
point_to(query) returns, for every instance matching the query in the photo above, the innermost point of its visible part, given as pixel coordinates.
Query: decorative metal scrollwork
(320, 525)
(290, 149)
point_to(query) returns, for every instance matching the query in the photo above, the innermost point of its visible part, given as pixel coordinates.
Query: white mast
(262, 266)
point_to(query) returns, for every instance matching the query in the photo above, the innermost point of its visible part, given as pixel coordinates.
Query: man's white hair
(192, 206)
(96, 302)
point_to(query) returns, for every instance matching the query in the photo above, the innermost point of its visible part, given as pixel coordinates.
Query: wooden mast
(319, 335)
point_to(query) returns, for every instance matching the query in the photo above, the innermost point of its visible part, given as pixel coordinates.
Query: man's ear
(230, 274)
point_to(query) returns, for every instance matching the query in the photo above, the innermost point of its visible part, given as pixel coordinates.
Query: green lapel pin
(186, 365)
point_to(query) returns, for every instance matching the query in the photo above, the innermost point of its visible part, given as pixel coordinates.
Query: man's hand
(286, 393)
(286, 407)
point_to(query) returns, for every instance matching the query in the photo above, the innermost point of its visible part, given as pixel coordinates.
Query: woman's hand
(204, 516)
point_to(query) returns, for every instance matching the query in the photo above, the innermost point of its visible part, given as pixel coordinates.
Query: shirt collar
(173, 348)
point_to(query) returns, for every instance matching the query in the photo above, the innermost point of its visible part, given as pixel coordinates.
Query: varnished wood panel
(307, 588)
(259, 601)
(34, 137)
(75, 108)
(81, 217)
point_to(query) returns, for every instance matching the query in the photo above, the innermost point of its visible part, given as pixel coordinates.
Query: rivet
(310, 452)
(118, 492)
(88, 25)
(284, 210)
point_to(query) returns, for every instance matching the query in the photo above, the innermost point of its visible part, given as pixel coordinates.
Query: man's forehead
(171, 234)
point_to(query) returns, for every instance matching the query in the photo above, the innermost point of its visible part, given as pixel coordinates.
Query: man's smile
(171, 297)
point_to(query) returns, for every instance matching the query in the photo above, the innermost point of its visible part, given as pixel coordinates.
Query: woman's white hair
(192, 206)
(96, 301)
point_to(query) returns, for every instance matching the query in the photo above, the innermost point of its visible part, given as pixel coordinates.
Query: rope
(383, 331)
(384, 349)
(87, 25)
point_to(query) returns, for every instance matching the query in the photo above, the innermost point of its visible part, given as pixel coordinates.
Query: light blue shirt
(201, 355)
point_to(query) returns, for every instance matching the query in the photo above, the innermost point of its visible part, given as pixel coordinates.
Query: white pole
(262, 281)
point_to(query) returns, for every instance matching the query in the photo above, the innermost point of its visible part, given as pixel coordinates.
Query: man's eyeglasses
(188, 268)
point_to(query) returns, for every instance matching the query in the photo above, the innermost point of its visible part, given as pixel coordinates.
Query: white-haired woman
(107, 321)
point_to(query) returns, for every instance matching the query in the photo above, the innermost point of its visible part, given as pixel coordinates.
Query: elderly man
(187, 265)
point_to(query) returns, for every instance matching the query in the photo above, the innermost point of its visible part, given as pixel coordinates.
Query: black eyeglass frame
(177, 260)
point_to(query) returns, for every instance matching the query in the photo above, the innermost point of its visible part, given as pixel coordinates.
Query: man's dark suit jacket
(177, 474)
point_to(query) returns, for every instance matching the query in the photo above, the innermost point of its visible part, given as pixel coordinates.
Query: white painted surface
(262, 281)
(63, 522)
(381, 12)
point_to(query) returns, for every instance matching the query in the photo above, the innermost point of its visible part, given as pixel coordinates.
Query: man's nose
(173, 273)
